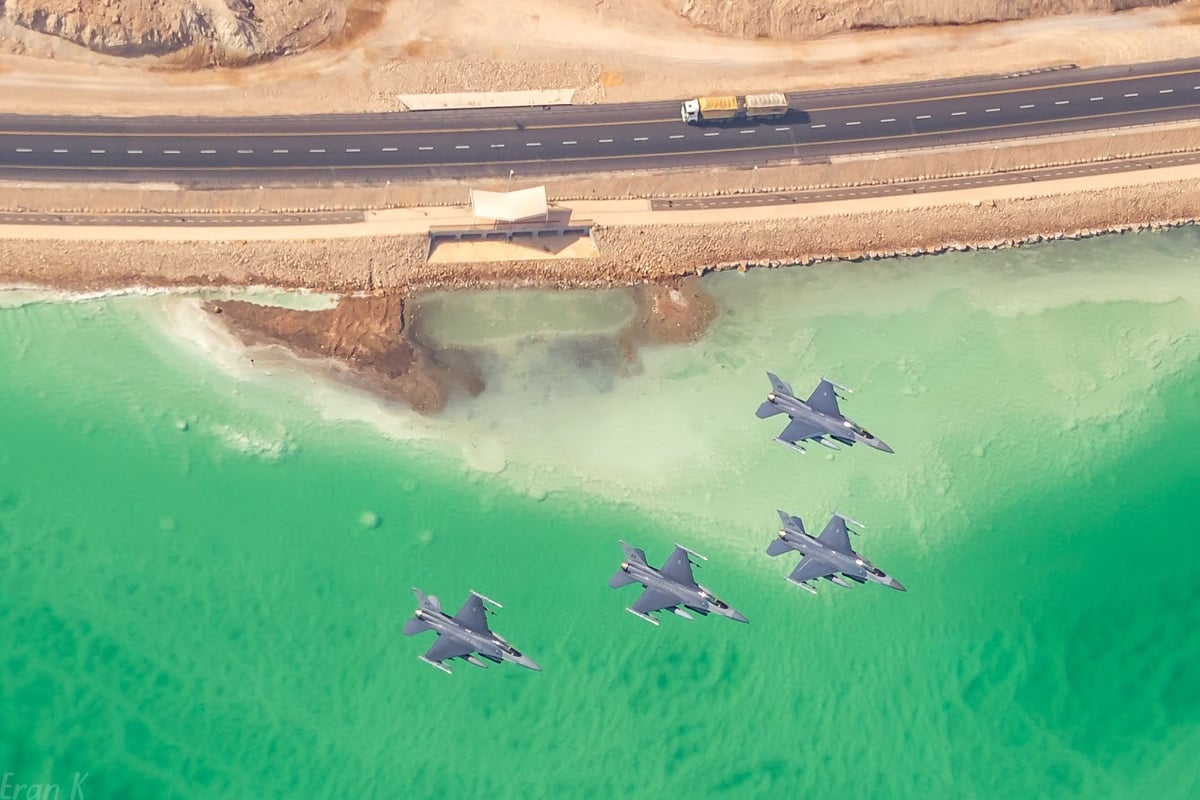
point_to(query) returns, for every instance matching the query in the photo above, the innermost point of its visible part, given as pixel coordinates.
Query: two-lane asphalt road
(592, 138)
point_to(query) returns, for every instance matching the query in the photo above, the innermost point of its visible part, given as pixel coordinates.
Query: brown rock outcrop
(193, 33)
(365, 336)
(807, 19)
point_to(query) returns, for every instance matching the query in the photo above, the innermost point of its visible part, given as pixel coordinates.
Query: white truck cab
(690, 111)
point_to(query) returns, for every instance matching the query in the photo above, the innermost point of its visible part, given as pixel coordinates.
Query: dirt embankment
(193, 33)
(808, 19)
(367, 340)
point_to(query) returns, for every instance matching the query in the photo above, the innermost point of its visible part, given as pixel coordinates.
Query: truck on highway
(730, 108)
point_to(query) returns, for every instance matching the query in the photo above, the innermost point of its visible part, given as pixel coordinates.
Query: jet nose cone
(897, 585)
(738, 616)
(528, 663)
(882, 445)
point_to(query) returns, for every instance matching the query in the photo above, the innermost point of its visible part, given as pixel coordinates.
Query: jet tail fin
(767, 410)
(780, 385)
(429, 601)
(778, 547)
(789, 522)
(634, 554)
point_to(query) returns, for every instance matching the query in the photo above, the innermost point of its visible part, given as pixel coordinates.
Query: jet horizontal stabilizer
(767, 410)
(415, 626)
(778, 547)
(435, 664)
(621, 578)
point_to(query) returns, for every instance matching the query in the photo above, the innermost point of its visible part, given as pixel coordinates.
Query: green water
(205, 560)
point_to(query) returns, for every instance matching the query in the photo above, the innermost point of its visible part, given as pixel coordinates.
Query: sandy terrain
(615, 50)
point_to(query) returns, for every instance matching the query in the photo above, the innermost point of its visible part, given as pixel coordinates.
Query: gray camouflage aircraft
(465, 633)
(668, 588)
(818, 418)
(826, 555)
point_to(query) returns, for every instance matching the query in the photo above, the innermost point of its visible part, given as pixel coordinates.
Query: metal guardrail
(501, 230)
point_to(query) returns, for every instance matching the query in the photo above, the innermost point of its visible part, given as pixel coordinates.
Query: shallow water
(205, 561)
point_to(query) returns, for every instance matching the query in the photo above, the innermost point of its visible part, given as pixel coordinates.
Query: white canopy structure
(510, 206)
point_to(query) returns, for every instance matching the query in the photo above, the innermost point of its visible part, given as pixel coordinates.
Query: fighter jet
(465, 633)
(668, 588)
(826, 555)
(818, 418)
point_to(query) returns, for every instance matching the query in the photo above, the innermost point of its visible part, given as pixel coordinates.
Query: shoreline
(634, 245)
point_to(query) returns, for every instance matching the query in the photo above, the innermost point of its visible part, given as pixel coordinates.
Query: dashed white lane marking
(990, 110)
(425, 148)
(353, 150)
(818, 125)
(676, 136)
(388, 149)
(745, 131)
(533, 144)
(102, 152)
(244, 152)
(640, 138)
(570, 141)
(889, 119)
(61, 150)
(958, 113)
(604, 141)
(1061, 102)
(1095, 99)
(924, 116)
(280, 151)
(1027, 105)
(316, 149)
(462, 147)
(1165, 91)
(713, 133)
(778, 129)
(171, 152)
(1131, 94)
(855, 122)
(494, 146)
(29, 150)
(208, 152)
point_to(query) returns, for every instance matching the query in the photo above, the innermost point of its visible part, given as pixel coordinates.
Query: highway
(583, 139)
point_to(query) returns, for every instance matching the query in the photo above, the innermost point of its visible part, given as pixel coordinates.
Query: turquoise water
(205, 560)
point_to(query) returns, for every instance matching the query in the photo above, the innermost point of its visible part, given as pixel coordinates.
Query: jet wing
(824, 399)
(679, 568)
(798, 429)
(446, 647)
(653, 600)
(836, 536)
(472, 615)
(809, 569)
